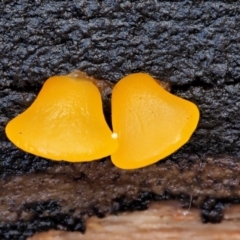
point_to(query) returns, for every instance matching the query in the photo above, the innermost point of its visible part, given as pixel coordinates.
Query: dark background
(195, 46)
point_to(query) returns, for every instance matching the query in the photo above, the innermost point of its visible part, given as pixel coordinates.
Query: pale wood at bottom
(164, 220)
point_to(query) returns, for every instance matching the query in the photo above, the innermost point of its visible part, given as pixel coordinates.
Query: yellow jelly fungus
(151, 123)
(65, 122)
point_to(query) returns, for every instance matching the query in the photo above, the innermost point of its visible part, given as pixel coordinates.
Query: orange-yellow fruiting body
(151, 123)
(65, 122)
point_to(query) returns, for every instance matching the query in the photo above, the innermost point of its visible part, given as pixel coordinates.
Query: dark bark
(192, 46)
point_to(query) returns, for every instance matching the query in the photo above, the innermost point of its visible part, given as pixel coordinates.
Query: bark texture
(192, 46)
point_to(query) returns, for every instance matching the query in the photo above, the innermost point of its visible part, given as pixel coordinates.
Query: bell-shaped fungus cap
(151, 123)
(65, 122)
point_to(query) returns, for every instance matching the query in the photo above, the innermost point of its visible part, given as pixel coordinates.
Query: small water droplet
(114, 135)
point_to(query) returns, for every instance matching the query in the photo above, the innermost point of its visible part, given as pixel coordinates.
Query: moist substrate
(194, 46)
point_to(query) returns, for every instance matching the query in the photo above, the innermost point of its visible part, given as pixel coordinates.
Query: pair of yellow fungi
(66, 122)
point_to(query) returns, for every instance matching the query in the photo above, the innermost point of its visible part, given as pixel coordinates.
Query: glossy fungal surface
(151, 123)
(65, 122)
